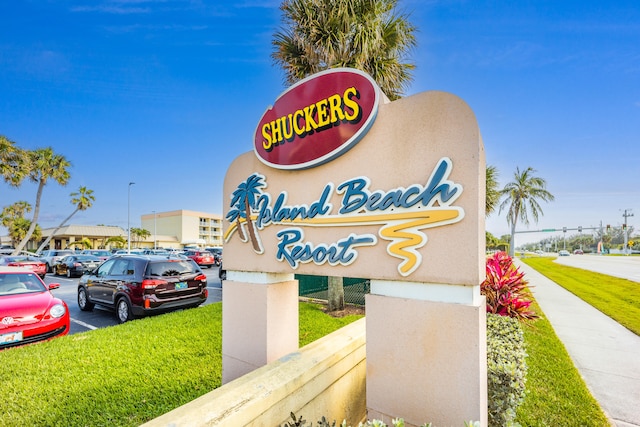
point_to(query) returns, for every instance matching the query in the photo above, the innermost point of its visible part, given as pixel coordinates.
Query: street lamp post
(129, 217)
(155, 235)
(627, 213)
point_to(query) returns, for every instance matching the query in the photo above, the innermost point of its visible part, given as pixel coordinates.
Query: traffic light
(608, 228)
(564, 229)
(579, 229)
(624, 226)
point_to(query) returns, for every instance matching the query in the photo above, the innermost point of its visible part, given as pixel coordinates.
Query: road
(626, 267)
(82, 321)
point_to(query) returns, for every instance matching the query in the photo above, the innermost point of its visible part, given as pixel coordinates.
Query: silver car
(51, 257)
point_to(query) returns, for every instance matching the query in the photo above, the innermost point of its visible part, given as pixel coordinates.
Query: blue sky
(166, 93)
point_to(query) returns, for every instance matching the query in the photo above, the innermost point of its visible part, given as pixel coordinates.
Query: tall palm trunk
(335, 292)
(48, 239)
(512, 241)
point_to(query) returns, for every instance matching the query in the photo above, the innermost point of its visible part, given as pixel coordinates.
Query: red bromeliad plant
(506, 288)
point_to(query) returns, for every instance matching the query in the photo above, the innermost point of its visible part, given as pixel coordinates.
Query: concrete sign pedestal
(342, 182)
(259, 321)
(426, 360)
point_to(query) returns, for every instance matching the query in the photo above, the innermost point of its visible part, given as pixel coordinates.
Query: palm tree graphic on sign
(243, 201)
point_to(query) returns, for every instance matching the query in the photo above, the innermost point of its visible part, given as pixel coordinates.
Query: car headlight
(57, 310)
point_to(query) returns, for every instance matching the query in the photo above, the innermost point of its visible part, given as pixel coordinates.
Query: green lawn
(556, 393)
(128, 374)
(617, 298)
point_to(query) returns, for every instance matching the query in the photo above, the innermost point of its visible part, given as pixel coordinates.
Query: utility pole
(129, 217)
(601, 245)
(626, 233)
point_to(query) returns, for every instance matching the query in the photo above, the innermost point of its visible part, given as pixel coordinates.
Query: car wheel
(123, 310)
(83, 300)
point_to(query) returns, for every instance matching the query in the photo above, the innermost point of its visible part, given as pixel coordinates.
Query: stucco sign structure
(342, 182)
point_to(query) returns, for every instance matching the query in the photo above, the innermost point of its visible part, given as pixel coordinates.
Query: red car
(30, 262)
(28, 310)
(202, 258)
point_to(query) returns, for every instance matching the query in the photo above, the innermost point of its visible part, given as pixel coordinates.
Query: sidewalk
(606, 354)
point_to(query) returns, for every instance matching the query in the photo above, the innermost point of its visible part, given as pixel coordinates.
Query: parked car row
(72, 263)
(132, 285)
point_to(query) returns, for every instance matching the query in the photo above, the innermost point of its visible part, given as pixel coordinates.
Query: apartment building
(190, 228)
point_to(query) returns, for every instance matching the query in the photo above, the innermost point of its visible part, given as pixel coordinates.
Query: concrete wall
(324, 378)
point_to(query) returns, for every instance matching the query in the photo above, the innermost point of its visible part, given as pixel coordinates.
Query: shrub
(506, 369)
(398, 422)
(506, 289)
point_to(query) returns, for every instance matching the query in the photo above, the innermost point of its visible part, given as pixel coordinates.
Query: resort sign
(342, 182)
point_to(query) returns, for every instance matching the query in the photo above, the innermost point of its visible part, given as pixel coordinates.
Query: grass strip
(556, 393)
(128, 374)
(617, 298)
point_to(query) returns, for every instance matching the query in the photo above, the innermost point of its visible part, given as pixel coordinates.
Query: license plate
(12, 337)
(181, 285)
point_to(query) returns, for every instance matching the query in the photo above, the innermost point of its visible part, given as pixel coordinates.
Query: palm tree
(82, 199)
(84, 242)
(365, 34)
(521, 196)
(12, 218)
(12, 212)
(244, 198)
(118, 241)
(493, 194)
(43, 165)
(140, 234)
(18, 230)
(12, 162)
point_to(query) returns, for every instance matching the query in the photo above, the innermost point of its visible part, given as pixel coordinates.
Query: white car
(51, 257)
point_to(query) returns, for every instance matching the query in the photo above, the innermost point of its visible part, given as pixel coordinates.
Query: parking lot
(100, 317)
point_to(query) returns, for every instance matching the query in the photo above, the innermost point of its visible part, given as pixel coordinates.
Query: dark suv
(137, 285)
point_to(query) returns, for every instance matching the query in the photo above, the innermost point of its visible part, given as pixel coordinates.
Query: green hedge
(506, 369)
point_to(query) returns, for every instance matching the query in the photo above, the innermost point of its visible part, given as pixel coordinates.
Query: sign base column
(426, 360)
(259, 321)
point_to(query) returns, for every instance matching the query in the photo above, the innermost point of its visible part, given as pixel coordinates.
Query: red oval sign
(317, 119)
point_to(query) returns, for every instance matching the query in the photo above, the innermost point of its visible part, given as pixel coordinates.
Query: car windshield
(19, 283)
(87, 258)
(171, 268)
(100, 253)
